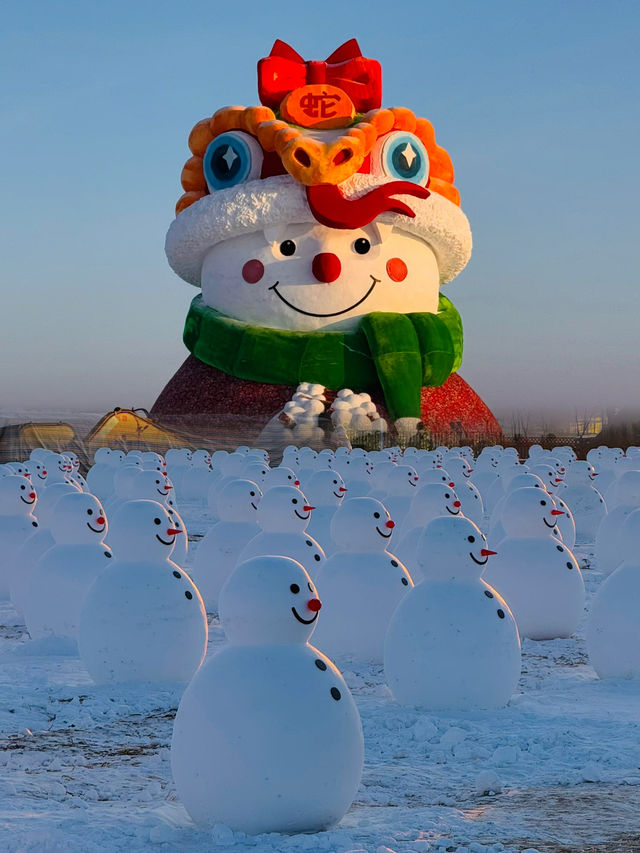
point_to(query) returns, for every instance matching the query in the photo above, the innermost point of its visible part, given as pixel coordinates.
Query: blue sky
(536, 102)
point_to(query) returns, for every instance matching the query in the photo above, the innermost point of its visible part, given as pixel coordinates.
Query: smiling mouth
(163, 541)
(27, 502)
(384, 535)
(547, 523)
(338, 495)
(451, 512)
(304, 621)
(274, 287)
(253, 505)
(303, 517)
(99, 530)
(163, 492)
(479, 562)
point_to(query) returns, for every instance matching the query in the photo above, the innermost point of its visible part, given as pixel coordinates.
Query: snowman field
(86, 768)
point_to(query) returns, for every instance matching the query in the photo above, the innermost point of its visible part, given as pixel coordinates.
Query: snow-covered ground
(86, 769)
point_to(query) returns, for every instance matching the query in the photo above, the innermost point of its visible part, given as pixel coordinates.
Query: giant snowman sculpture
(320, 228)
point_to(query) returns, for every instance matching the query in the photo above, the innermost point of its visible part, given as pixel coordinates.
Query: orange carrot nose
(557, 512)
(486, 553)
(171, 531)
(314, 604)
(342, 489)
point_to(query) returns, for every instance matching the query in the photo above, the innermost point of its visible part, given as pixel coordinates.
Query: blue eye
(231, 159)
(404, 157)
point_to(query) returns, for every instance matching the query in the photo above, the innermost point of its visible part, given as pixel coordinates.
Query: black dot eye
(376, 515)
(361, 246)
(23, 488)
(335, 693)
(253, 494)
(500, 614)
(405, 582)
(447, 495)
(157, 521)
(89, 512)
(288, 248)
(543, 503)
(294, 501)
(471, 538)
(188, 595)
(177, 575)
(295, 589)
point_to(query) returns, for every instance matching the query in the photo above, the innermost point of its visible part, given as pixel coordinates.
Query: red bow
(285, 70)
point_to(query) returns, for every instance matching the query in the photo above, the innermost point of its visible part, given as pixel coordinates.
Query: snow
(86, 768)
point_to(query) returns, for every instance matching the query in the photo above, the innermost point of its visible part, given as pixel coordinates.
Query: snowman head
(37, 472)
(452, 549)
(458, 467)
(269, 600)
(49, 497)
(152, 461)
(152, 486)
(255, 470)
(402, 481)
(17, 495)
(548, 475)
(436, 475)
(284, 509)
(143, 530)
(432, 500)
(326, 488)
(530, 512)
(281, 476)
(78, 518)
(521, 481)
(296, 219)
(362, 524)
(238, 501)
(580, 473)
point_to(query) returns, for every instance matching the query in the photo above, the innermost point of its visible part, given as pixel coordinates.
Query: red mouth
(330, 207)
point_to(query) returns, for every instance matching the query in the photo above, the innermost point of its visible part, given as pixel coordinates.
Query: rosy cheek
(396, 269)
(253, 271)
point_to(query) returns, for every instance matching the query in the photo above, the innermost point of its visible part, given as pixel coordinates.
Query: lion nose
(326, 267)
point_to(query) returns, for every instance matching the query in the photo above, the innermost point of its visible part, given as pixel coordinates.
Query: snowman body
(137, 624)
(17, 522)
(240, 752)
(612, 630)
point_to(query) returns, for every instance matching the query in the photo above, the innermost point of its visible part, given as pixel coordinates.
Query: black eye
(294, 501)
(471, 538)
(295, 589)
(376, 515)
(23, 488)
(447, 495)
(362, 245)
(253, 494)
(288, 248)
(335, 482)
(157, 521)
(89, 512)
(543, 503)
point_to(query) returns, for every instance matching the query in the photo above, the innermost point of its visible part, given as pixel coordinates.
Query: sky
(537, 103)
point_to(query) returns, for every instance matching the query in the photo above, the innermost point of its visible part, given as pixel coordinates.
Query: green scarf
(398, 353)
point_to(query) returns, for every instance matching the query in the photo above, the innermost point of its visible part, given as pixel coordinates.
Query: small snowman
(586, 502)
(283, 515)
(468, 495)
(218, 552)
(361, 583)
(100, 476)
(535, 572)
(61, 578)
(453, 642)
(17, 522)
(143, 618)
(240, 752)
(400, 488)
(608, 551)
(326, 490)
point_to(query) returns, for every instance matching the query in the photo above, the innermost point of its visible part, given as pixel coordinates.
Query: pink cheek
(253, 271)
(396, 269)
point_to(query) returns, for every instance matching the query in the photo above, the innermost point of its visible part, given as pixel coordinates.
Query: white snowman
(326, 491)
(586, 502)
(453, 642)
(143, 618)
(608, 550)
(218, 552)
(534, 571)
(17, 522)
(240, 752)
(361, 583)
(61, 578)
(468, 495)
(431, 501)
(283, 515)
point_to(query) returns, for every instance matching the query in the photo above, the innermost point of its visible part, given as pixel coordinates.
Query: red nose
(296, 482)
(342, 489)
(557, 512)
(314, 604)
(32, 494)
(326, 267)
(486, 553)
(171, 531)
(390, 524)
(307, 508)
(45, 473)
(470, 471)
(457, 503)
(557, 481)
(416, 479)
(99, 520)
(451, 485)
